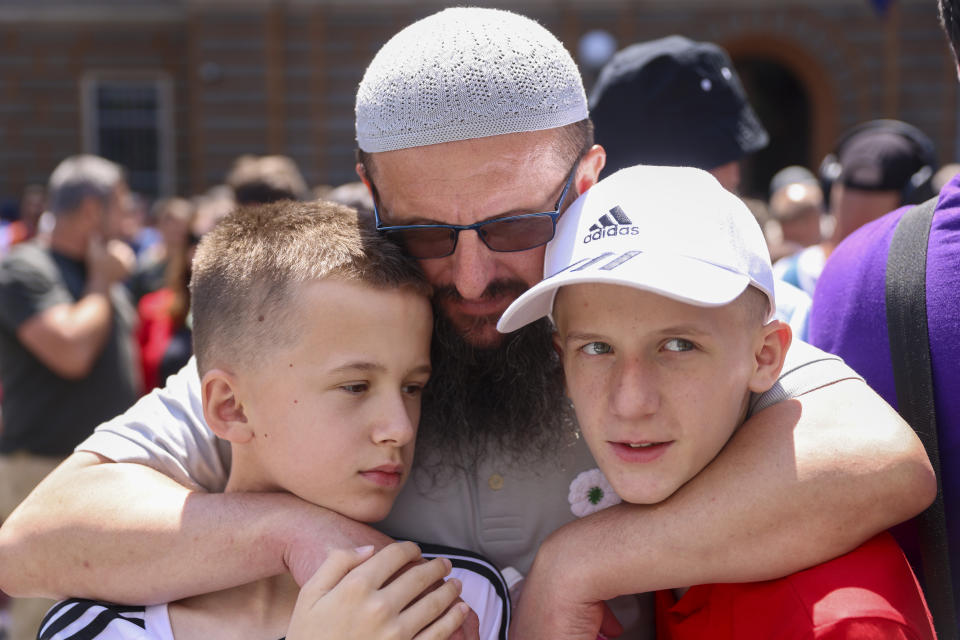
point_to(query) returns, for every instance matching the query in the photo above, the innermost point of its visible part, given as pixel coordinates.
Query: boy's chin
(370, 511)
(648, 494)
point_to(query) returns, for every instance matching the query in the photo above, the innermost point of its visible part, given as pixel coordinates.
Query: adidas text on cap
(670, 230)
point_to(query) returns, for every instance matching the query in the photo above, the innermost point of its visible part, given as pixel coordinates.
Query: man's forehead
(480, 179)
(514, 152)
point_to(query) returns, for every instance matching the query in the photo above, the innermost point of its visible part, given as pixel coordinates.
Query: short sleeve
(26, 289)
(806, 368)
(868, 629)
(165, 430)
(483, 588)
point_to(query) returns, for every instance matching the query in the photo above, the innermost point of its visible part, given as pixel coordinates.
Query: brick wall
(280, 77)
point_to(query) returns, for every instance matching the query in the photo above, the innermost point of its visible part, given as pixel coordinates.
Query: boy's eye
(596, 348)
(355, 387)
(678, 344)
(413, 389)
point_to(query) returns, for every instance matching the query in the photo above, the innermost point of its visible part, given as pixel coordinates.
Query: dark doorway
(783, 106)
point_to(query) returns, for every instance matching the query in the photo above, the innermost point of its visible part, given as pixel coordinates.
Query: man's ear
(770, 352)
(362, 174)
(591, 164)
(223, 408)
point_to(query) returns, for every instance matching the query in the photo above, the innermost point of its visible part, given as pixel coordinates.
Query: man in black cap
(879, 166)
(678, 102)
(675, 102)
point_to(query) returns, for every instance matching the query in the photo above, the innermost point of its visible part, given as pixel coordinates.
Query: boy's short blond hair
(247, 270)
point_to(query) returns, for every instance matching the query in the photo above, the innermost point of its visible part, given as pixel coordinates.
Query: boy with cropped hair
(660, 287)
(312, 336)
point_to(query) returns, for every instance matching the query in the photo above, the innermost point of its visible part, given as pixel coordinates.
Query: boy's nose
(474, 265)
(395, 425)
(634, 393)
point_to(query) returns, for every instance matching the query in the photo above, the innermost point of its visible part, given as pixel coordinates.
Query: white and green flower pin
(590, 492)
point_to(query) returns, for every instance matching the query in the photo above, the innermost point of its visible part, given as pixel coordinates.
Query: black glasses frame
(478, 226)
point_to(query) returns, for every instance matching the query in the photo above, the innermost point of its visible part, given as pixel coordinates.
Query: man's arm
(801, 482)
(128, 534)
(68, 337)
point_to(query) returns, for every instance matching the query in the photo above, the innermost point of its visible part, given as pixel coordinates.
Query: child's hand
(352, 596)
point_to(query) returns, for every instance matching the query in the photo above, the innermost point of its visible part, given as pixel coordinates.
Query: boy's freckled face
(335, 413)
(659, 386)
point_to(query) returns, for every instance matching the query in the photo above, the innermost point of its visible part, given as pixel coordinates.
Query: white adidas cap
(670, 230)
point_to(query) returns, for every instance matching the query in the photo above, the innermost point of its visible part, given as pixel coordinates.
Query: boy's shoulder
(77, 618)
(871, 589)
(872, 581)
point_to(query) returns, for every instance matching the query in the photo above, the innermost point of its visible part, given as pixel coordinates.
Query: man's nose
(474, 265)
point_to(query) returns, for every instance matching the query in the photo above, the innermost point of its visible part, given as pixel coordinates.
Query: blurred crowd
(162, 235)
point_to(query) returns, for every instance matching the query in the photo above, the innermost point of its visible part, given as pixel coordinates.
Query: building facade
(176, 89)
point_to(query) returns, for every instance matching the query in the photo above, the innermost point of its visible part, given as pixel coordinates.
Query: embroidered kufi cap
(466, 73)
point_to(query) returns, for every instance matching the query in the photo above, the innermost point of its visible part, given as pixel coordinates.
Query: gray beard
(507, 401)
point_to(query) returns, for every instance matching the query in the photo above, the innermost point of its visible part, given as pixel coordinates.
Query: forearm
(68, 338)
(128, 534)
(800, 483)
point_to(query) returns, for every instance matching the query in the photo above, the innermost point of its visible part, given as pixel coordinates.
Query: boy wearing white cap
(660, 287)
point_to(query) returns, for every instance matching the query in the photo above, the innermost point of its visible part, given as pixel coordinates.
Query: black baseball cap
(674, 102)
(877, 159)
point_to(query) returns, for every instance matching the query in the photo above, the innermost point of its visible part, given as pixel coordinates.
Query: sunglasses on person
(507, 234)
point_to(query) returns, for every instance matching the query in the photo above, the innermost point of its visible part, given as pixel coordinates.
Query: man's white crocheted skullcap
(467, 73)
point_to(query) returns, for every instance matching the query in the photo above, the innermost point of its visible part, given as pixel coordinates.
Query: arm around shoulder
(801, 482)
(98, 523)
(94, 529)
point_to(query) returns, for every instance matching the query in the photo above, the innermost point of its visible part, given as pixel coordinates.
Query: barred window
(128, 119)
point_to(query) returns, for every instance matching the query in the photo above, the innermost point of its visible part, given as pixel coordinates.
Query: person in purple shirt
(849, 319)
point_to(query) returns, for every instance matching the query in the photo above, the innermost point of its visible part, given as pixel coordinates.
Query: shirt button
(496, 482)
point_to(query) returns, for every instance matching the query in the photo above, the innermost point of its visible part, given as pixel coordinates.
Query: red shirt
(869, 594)
(153, 334)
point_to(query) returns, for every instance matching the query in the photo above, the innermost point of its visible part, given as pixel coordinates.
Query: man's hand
(353, 595)
(109, 262)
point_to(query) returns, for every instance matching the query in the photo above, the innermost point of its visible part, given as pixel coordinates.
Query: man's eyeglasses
(511, 233)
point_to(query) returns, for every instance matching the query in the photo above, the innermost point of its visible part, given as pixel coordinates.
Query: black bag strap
(906, 292)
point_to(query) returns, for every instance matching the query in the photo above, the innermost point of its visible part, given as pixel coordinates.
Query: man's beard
(507, 400)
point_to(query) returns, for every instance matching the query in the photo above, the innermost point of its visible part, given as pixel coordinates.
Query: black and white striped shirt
(484, 589)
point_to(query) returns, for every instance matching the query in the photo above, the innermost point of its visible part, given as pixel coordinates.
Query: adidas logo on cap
(614, 223)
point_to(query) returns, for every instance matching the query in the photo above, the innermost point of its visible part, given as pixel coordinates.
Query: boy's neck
(259, 610)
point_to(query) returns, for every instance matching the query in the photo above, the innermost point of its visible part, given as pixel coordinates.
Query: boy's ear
(223, 408)
(770, 352)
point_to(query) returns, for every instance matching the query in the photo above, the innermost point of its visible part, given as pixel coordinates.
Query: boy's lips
(387, 475)
(640, 451)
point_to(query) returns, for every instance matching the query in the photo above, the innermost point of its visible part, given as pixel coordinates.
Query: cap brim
(680, 278)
